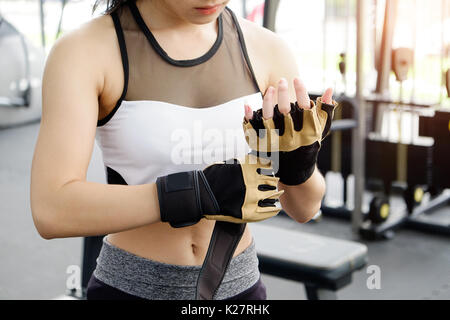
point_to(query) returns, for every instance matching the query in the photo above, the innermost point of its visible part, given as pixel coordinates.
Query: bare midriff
(184, 246)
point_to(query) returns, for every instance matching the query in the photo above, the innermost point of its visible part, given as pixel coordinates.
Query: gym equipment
(323, 264)
(425, 164)
(422, 163)
(336, 152)
(42, 20)
(437, 127)
(336, 156)
(91, 250)
(414, 158)
(20, 84)
(22, 65)
(409, 162)
(417, 165)
(402, 61)
(447, 82)
(58, 30)
(342, 65)
(270, 11)
(414, 169)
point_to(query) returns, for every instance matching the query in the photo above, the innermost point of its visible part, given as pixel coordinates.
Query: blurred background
(386, 162)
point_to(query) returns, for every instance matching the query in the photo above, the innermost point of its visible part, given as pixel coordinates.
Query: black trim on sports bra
(180, 63)
(123, 53)
(244, 49)
(113, 177)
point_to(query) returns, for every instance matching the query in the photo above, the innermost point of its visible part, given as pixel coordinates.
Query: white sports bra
(147, 139)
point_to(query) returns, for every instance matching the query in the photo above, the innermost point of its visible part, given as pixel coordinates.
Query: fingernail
(298, 81)
(270, 91)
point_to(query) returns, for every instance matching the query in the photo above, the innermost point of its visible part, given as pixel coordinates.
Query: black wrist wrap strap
(184, 198)
(224, 240)
(173, 188)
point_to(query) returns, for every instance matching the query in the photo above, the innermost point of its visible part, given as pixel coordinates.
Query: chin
(205, 20)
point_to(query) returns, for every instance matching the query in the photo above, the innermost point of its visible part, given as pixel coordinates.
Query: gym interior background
(383, 230)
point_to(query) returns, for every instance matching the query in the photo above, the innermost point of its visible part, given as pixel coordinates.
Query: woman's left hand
(300, 126)
(284, 104)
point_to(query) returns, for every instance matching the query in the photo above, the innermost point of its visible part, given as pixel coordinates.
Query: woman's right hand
(232, 191)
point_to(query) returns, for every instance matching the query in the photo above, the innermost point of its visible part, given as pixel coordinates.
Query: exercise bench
(324, 265)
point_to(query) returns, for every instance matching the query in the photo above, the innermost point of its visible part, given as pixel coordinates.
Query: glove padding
(294, 139)
(233, 191)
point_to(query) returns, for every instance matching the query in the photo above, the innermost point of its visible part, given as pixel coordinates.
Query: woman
(142, 79)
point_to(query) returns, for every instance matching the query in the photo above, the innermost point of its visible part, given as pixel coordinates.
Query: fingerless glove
(292, 141)
(232, 191)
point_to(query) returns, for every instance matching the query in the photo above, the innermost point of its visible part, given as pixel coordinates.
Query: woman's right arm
(63, 203)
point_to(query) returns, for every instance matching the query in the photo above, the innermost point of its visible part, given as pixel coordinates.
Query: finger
(270, 181)
(264, 164)
(248, 112)
(268, 105)
(328, 96)
(303, 100)
(275, 195)
(266, 213)
(284, 104)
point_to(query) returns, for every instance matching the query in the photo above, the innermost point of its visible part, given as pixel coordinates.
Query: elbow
(44, 221)
(302, 214)
(44, 225)
(313, 208)
(302, 205)
(45, 234)
(308, 210)
(306, 216)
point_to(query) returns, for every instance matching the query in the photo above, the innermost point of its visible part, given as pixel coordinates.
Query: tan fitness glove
(292, 140)
(232, 191)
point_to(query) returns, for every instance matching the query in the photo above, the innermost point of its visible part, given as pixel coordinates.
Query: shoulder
(260, 37)
(87, 51)
(271, 52)
(94, 34)
(89, 44)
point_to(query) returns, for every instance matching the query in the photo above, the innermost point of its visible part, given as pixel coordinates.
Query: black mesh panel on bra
(221, 75)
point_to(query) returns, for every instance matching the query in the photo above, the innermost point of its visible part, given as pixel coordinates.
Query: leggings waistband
(155, 280)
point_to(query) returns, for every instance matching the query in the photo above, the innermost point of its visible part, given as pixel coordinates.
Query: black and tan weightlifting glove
(294, 140)
(233, 191)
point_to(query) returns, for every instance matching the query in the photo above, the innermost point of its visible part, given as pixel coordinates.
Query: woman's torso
(160, 242)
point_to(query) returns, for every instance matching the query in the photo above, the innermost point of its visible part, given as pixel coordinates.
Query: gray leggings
(154, 280)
